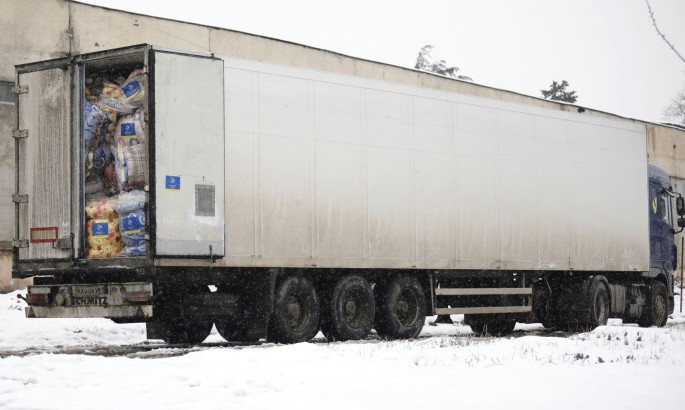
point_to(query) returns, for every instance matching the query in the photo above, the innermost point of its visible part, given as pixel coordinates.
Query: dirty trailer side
(313, 200)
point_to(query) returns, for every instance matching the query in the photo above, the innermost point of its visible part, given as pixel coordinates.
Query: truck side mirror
(680, 205)
(681, 222)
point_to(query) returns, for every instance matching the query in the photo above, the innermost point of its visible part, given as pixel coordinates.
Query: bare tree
(651, 15)
(675, 112)
(424, 62)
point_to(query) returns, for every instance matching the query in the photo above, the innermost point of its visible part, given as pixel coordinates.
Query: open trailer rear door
(187, 148)
(44, 148)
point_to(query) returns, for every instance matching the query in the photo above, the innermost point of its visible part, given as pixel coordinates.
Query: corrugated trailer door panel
(188, 144)
(45, 163)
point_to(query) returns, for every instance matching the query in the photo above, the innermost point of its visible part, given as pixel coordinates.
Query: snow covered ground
(67, 364)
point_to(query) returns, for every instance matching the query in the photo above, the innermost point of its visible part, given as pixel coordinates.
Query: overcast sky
(607, 50)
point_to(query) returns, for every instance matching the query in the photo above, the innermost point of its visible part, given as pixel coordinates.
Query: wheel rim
(354, 305)
(407, 307)
(294, 314)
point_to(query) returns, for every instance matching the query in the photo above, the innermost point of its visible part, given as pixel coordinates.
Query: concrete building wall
(7, 284)
(666, 148)
(33, 30)
(6, 174)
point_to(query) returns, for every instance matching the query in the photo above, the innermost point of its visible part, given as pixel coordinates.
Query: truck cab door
(44, 196)
(660, 226)
(187, 148)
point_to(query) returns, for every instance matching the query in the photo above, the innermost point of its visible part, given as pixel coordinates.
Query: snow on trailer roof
(559, 105)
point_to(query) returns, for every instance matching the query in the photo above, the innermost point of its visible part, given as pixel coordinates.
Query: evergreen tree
(424, 62)
(557, 92)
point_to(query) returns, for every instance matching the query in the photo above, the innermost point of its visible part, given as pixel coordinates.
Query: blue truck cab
(663, 259)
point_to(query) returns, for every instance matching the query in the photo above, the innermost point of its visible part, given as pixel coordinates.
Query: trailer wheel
(400, 308)
(177, 328)
(186, 331)
(494, 325)
(598, 303)
(295, 317)
(244, 325)
(349, 310)
(655, 312)
(236, 330)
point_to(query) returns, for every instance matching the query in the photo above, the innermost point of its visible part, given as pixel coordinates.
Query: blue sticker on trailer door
(173, 183)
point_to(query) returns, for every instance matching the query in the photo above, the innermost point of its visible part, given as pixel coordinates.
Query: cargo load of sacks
(114, 134)
(115, 159)
(116, 226)
(131, 209)
(103, 236)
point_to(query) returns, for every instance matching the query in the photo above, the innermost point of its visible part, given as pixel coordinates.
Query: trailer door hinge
(63, 243)
(20, 198)
(20, 243)
(20, 89)
(17, 134)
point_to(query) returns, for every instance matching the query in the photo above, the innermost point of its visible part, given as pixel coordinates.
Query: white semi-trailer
(313, 200)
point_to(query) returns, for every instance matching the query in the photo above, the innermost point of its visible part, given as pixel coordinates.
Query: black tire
(349, 310)
(244, 326)
(552, 319)
(400, 308)
(178, 328)
(295, 316)
(543, 306)
(186, 331)
(655, 312)
(235, 329)
(548, 316)
(492, 325)
(599, 304)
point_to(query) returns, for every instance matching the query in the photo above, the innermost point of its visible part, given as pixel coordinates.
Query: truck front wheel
(655, 313)
(400, 308)
(295, 316)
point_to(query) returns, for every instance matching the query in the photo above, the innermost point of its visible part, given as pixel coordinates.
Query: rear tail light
(37, 298)
(139, 296)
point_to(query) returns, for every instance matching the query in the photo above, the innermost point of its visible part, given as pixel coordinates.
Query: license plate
(97, 290)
